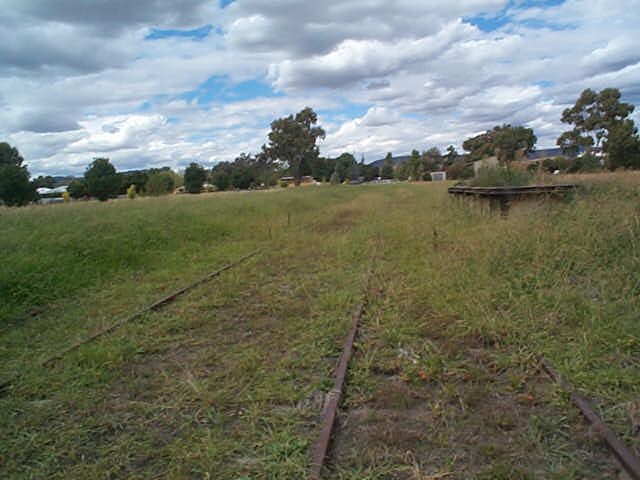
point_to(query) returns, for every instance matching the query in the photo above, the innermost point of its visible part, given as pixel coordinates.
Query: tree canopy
(600, 119)
(194, 178)
(505, 142)
(101, 179)
(15, 188)
(293, 140)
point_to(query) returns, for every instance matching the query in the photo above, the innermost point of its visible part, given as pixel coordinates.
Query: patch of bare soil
(483, 415)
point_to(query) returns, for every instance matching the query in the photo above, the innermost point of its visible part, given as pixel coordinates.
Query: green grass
(220, 384)
(501, 177)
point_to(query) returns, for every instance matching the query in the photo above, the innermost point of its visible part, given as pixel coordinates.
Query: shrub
(501, 177)
(194, 178)
(66, 197)
(77, 188)
(160, 183)
(131, 191)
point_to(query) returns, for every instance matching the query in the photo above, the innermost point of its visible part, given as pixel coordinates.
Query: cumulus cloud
(79, 79)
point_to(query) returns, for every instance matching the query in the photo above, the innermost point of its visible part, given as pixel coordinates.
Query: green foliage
(501, 177)
(135, 177)
(43, 181)
(450, 156)
(221, 175)
(386, 171)
(622, 146)
(400, 171)
(595, 117)
(77, 188)
(505, 141)
(438, 363)
(10, 155)
(509, 141)
(101, 179)
(459, 169)
(160, 182)
(194, 178)
(15, 188)
(415, 166)
(245, 172)
(293, 140)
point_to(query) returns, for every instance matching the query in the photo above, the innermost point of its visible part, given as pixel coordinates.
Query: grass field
(227, 382)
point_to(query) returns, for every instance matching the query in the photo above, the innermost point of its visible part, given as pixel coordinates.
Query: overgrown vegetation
(227, 382)
(500, 177)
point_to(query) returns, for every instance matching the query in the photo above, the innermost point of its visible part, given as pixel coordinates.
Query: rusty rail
(321, 448)
(153, 307)
(331, 408)
(625, 456)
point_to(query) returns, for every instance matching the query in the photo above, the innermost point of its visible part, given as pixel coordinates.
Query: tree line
(600, 123)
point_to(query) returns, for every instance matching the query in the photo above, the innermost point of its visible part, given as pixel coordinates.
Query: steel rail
(321, 449)
(331, 408)
(153, 307)
(625, 456)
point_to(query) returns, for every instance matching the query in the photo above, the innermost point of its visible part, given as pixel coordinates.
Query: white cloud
(76, 74)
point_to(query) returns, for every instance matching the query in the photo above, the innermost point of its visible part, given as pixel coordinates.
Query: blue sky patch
(221, 89)
(195, 34)
(347, 111)
(489, 22)
(545, 83)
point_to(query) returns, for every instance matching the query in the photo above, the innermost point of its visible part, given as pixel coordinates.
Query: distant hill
(396, 160)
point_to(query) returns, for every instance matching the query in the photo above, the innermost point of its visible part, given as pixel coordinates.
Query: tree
(593, 117)
(15, 188)
(42, 181)
(221, 175)
(414, 166)
(451, 155)
(503, 141)
(344, 164)
(386, 171)
(508, 141)
(622, 146)
(480, 146)
(160, 182)
(293, 140)
(400, 171)
(101, 179)
(194, 178)
(432, 160)
(77, 188)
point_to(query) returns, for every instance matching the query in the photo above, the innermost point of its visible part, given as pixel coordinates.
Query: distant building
(438, 176)
(51, 192)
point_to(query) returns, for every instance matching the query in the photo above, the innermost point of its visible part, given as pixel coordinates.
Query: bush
(101, 179)
(77, 188)
(131, 191)
(501, 177)
(459, 169)
(194, 178)
(160, 183)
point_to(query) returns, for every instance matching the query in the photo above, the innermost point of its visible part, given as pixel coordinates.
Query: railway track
(4, 385)
(320, 452)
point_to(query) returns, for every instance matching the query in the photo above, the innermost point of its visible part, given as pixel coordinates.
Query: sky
(149, 83)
